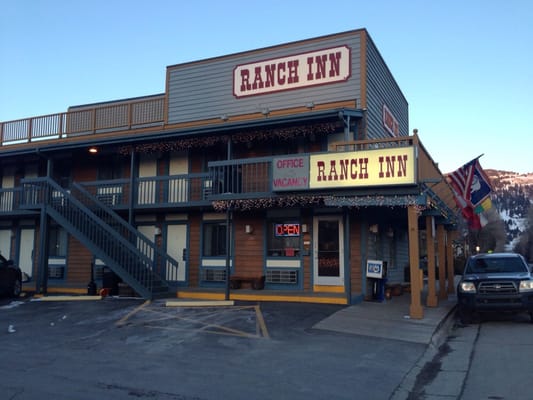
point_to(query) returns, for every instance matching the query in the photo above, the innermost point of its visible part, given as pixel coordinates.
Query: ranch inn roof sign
(292, 72)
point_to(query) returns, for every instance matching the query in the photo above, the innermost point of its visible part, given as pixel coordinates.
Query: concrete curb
(440, 335)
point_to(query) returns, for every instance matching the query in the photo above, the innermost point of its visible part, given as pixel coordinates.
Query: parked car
(492, 282)
(10, 278)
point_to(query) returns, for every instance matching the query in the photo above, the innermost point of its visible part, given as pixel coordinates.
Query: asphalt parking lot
(130, 349)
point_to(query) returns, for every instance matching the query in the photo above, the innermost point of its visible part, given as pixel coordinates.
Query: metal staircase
(123, 249)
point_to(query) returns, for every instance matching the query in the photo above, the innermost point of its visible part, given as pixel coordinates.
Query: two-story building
(290, 167)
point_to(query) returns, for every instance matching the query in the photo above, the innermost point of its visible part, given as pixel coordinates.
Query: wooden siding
(78, 263)
(356, 273)
(204, 90)
(194, 249)
(381, 88)
(248, 246)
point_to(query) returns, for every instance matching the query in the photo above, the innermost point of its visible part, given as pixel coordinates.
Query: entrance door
(177, 187)
(328, 251)
(26, 250)
(147, 188)
(176, 247)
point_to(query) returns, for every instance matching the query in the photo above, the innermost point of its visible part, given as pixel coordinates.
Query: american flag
(471, 188)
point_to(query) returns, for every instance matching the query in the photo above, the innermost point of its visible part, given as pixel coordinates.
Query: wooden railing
(116, 116)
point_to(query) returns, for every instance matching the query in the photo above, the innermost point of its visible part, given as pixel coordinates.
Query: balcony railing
(118, 116)
(161, 191)
(247, 178)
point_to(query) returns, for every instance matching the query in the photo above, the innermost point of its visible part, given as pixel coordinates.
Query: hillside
(512, 196)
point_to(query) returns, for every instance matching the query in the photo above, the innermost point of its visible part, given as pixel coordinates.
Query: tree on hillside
(492, 237)
(525, 243)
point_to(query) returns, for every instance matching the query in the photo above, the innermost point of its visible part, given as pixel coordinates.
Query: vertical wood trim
(415, 310)
(431, 300)
(364, 74)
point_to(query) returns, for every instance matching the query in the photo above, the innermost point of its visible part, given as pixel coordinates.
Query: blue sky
(465, 67)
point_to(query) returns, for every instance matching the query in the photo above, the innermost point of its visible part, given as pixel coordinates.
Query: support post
(132, 191)
(431, 300)
(43, 251)
(415, 310)
(228, 244)
(441, 255)
(449, 263)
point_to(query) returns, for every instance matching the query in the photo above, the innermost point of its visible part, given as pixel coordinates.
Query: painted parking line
(124, 319)
(219, 320)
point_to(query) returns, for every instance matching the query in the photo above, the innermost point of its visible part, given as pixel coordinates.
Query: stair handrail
(156, 251)
(44, 199)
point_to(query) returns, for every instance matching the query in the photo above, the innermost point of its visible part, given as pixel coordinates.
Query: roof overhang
(223, 128)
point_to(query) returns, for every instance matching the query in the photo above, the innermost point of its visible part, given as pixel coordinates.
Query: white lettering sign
(292, 72)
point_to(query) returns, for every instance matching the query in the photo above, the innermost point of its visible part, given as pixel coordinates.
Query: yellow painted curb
(259, 297)
(201, 303)
(70, 298)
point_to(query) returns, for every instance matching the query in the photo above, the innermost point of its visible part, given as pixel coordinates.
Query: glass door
(328, 251)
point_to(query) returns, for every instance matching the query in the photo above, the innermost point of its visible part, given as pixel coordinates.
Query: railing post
(60, 125)
(30, 125)
(130, 115)
(94, 120)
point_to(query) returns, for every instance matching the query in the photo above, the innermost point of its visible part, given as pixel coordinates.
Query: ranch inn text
(357, 168)
(292, 72)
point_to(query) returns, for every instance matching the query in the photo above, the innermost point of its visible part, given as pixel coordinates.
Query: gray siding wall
(381, 88)
(203, 90)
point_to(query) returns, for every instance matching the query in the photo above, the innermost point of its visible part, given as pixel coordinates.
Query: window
(214, 237)
(57, 242)
(110, 167)
(284, 238)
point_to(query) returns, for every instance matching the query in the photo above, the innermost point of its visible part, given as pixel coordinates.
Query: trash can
(110, 281)
(91, 288)
(378, 292)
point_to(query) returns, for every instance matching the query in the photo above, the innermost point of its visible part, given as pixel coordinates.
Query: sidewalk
(390, 320)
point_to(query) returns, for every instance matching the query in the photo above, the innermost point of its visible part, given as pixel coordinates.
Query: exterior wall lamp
(248, 229)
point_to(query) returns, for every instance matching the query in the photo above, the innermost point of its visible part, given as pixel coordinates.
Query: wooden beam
(449, 262)
(441, 255)
(431, 300)
(415, 309)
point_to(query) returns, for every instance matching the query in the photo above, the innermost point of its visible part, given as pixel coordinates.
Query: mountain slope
(512, 196)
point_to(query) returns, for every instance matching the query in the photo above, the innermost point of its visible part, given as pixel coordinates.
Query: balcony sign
(380, 167)
(290, 173)
(292, 72)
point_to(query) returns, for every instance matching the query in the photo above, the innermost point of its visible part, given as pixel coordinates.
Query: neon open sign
(287, 229)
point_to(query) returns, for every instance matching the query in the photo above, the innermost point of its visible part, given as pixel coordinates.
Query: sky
(464, 66)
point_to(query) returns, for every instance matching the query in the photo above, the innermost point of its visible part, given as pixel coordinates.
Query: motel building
(289, 170)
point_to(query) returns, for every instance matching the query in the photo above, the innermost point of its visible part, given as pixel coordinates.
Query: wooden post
(441, 255)
(449, 263)
(431, 300)
(415, 310)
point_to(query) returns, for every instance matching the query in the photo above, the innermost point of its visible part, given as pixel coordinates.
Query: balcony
(247, 183)
(86, 120)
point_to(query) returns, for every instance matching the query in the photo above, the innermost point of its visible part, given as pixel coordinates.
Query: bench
(257, 282)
